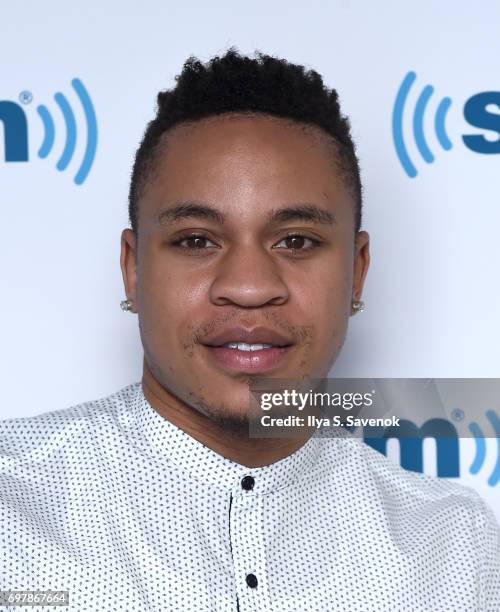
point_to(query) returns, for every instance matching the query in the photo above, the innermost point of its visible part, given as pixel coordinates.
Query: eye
(194, 242)
(298, 242)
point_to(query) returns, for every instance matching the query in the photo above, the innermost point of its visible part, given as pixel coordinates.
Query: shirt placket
(248, 547)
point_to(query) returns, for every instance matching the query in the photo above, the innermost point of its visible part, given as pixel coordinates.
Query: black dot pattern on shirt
(116, 505)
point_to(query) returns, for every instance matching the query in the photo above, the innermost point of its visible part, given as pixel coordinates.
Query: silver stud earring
(358, 305)
(126, 305)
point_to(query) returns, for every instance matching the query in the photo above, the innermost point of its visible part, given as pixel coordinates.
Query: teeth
(243, 346)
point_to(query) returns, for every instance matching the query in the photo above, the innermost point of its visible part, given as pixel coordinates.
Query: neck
(250, 452)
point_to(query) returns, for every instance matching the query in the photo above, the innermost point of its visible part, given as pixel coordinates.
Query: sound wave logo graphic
(418, 124)
(71, 131)
(444, 432)
(480, 455)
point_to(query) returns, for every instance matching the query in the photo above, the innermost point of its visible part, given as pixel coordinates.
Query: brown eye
(297, 242)
(195, 242)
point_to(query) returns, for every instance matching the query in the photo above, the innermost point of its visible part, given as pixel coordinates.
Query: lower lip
(251, 362)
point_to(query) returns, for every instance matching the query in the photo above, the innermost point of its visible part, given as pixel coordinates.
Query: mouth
(254, 351)
(249, 358)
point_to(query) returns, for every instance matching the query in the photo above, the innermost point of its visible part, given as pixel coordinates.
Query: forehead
(252, 158)
(257, 133)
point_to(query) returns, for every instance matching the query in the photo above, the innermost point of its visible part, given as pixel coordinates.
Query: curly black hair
(235, 83)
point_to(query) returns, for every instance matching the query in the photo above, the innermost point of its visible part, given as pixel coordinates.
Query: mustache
(298, 333)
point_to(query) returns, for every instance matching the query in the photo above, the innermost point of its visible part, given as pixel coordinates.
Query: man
(245, 258)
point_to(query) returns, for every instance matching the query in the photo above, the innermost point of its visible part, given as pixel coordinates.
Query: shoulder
(418, 489)
(421, 512)
(453, 514)
(444, 509)
(406, 496)
(26, 439)
(408, 484)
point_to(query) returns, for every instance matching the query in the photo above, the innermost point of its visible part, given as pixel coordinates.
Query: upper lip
(257, 335)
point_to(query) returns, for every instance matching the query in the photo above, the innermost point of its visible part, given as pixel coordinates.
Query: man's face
(246, 262)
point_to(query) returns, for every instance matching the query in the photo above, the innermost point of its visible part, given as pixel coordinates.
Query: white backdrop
(432, 293)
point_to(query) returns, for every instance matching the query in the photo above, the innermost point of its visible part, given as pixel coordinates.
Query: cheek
(323, 298)
(169, 299)
(324, 291)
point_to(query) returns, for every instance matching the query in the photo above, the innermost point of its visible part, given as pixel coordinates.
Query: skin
(243, 271)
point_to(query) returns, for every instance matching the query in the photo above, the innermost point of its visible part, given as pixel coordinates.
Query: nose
(248, 276)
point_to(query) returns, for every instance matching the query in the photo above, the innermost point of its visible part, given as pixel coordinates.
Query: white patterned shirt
(113, 503)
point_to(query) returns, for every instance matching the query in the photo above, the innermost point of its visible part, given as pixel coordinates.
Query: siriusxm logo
(477, 113)
(411, 438)
(15, 125)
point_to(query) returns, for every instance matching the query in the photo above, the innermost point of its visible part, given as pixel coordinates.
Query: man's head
(245, 251)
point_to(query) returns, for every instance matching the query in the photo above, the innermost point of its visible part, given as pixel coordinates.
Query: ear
(361, 263)
(128, 264)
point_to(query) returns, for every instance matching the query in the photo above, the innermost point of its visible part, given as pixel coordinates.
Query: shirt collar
(164, 441)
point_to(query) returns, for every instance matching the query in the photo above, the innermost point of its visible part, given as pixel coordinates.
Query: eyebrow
(294, 212)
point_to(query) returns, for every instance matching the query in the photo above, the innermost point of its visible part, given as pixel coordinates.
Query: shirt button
(247, 483)
(252, 580)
